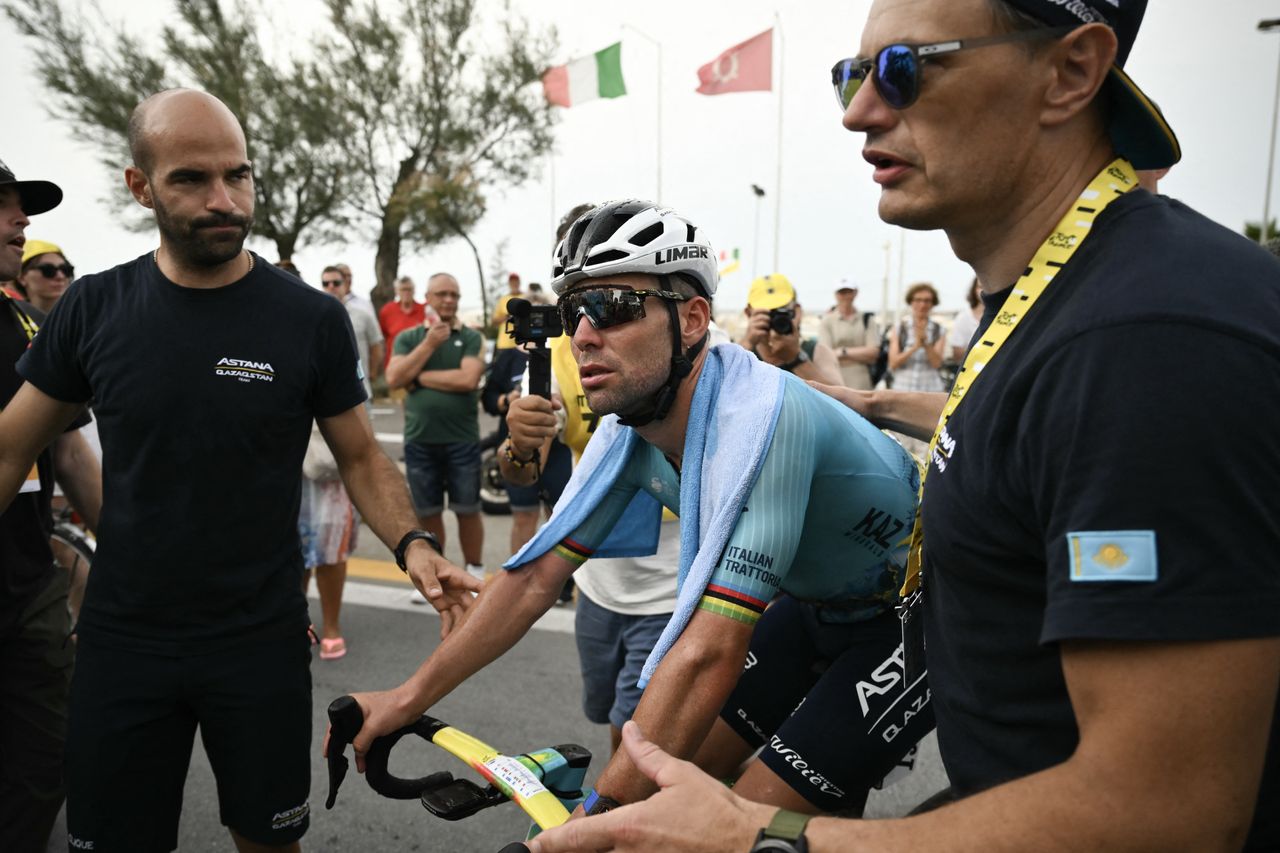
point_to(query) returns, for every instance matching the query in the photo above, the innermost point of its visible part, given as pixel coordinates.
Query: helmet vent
(648, 235)
(606, 257)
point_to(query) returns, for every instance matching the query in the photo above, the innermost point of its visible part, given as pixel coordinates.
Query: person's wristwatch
(410, 537)
(784, 834)
(596, 804)
(800, 359)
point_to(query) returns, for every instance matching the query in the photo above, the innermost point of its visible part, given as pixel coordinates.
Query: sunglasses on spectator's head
(50, 270)
(607, 305)
(895, 69)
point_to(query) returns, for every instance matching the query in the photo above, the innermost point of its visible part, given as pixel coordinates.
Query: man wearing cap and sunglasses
(35, 655)
(784, 496)
(1099, 584)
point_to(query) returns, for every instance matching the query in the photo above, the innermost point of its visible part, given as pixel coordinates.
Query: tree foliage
(1253, 230)
(439, 114)
(405, 118)
(98, 71)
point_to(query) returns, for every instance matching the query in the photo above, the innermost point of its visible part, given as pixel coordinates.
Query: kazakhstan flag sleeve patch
(1113, 555)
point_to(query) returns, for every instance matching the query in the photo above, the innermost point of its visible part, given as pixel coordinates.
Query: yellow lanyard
(1111, 183)
(28, 325)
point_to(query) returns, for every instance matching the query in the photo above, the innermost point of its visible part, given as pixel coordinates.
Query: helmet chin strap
(656, 407)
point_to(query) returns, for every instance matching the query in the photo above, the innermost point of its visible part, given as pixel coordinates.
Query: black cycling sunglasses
(607, 305)
(50, 270)
(895, 70)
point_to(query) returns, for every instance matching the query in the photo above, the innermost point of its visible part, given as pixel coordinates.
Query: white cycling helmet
(634, 236)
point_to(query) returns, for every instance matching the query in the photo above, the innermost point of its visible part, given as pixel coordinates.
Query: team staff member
(194, 614)
(1100, 580)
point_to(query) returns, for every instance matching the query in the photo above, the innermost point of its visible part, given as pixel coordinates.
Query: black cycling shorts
(133, 720)
(828, 703)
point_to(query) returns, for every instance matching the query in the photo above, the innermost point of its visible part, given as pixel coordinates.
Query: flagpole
(551, 165)
(777, 187)
(658, 45)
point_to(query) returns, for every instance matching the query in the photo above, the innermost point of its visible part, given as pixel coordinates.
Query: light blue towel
(731, 421)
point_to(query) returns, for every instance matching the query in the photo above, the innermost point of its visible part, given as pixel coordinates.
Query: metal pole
(658, 45)
(755, 249)
(884, 289)
(777, 188)
(1267, 26)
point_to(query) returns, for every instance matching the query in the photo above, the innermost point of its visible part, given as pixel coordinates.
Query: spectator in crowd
(966, 324)
(441, 366)
(349, 296)
(35, 655)
(1099, 583)
(404, 312)
(288, 266)
(195, 617)
(537, 295)
(773, 332)
(368, 335)
(853, 337)
(46, 274)
(916, 345)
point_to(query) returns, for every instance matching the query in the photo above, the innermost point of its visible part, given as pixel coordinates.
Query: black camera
(531, 326)
(782, 320)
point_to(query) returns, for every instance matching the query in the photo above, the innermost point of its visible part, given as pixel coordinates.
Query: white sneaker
(416, 597)
(476, 571)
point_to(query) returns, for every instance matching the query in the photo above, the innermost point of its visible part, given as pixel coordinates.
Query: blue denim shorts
(433, 469)
(612, 648)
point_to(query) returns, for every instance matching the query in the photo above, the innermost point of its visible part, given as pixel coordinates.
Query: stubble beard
(642, 383)
(194, 248)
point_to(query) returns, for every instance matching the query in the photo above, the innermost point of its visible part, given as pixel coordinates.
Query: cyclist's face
(623, 365)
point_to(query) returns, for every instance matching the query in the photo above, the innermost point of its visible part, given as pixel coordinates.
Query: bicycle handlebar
(546, 783)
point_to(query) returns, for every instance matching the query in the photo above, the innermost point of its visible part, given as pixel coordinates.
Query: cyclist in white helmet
(784, 496)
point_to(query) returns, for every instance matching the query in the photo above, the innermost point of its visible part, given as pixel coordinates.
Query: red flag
(746, 67)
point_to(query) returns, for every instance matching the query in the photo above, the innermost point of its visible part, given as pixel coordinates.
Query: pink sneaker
(332, 649)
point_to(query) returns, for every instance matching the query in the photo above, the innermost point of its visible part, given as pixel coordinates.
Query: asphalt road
(528, 699)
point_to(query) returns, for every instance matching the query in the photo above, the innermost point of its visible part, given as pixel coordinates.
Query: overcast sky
(1213, 74)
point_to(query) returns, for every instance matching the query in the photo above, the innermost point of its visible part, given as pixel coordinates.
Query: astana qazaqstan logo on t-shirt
(245, 370)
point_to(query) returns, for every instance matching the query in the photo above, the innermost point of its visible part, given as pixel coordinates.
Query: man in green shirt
(440, 365)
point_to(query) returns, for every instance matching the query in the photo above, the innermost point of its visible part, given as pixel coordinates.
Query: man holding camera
(773, 332)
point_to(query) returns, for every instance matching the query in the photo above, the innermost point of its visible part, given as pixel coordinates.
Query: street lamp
(755, 249)
(658, 45)
(1270, 25)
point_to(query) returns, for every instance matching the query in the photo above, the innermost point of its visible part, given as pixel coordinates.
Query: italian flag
(596, 76)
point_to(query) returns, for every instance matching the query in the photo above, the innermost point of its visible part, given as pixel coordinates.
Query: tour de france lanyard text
(1111, 183)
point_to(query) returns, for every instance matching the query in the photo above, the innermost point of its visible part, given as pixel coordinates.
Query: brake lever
(345, 721)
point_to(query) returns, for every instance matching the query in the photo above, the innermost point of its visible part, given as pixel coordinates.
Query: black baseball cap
(37, 196)
(1137, 128)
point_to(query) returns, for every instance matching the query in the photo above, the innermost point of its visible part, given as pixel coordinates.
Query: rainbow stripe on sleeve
(729, 602)
(573, 552)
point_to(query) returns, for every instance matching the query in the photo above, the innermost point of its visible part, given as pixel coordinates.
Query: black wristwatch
(410, 537)
(795, 362)
(784, 834)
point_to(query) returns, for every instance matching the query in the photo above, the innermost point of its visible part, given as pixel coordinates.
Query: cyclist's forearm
(503, 613)
(680, 704)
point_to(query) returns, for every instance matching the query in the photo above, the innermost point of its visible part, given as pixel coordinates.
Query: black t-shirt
(1112, 474)
(204, 401)
(26, 561)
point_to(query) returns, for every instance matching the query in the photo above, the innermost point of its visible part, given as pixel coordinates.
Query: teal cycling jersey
(827, 520)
